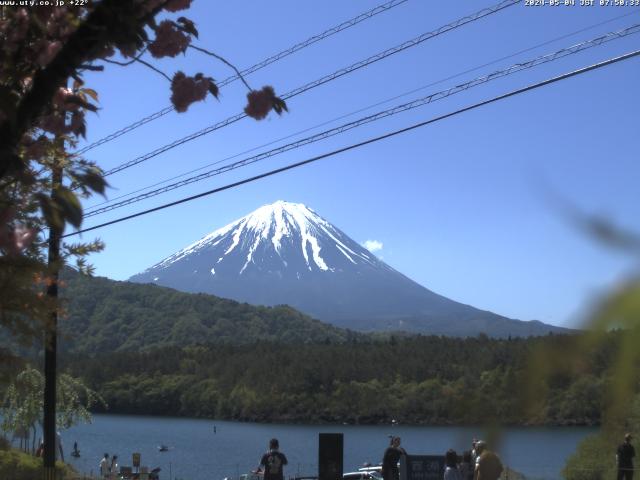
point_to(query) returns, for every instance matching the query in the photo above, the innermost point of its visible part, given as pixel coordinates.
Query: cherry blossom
(260, 102)
(169, 41)
(186, 90)
(175, 5)
(48, 53)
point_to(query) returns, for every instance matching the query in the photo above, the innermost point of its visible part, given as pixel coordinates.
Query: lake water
(197, 453)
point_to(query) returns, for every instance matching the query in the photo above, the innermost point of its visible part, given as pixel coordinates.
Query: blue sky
(462, 206)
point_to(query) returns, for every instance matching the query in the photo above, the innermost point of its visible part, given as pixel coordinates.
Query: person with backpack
(273, 461)
(488, 464)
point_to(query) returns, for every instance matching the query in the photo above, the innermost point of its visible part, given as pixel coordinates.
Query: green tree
(22, 406)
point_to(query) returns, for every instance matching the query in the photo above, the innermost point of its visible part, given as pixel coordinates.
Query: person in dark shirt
(273, 462)
(624, 458)
(390, 460)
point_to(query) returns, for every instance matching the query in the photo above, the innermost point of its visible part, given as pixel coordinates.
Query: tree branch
(147, 64)
(101, 26)
(133, 60)
(223, 60)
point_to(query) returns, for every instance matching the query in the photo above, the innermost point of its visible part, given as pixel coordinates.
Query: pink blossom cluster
(175, 5)
(48, 52)
(14, 238)
(169, 5)
(39, 35)
(169, 41)
(260, 102)
(186, 90)
(66, 115)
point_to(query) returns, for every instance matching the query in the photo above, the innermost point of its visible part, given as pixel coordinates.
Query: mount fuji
(285, 253)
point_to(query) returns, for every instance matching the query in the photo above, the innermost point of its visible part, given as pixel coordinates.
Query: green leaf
(279, 105)
(187, 26)
(50, 213)
(213, 88)
(91, 92)
(70, 206)
(93, 180)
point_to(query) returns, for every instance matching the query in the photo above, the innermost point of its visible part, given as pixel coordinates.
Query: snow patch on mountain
(275, 223)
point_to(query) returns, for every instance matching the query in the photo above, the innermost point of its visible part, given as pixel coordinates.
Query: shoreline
(338, 422)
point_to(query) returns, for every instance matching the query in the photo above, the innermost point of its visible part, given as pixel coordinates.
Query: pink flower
(22, 238)
(128, 50)
(169, 41)
(18, 27)
(14, 239)
(175, 5)
(48, 53)
(149, 5)
(53, 124)
(186, 90)
(61, 96)
(260, 102)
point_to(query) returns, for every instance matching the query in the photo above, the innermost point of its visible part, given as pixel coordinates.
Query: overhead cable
(254, 68)
(308, 161)
(362, 109)
(518, 67)
(321, 81)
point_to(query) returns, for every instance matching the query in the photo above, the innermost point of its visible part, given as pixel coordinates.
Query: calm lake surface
(197, 453)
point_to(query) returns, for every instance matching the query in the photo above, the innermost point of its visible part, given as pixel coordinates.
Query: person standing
(59, 450)
(451, 471)
(113, 469)
(624, 458)
(391, 458)
(273, 461)
(466, 466)
(488, 464)
(105, 466)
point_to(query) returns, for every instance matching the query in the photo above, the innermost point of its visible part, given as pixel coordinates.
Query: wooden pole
(50, 347)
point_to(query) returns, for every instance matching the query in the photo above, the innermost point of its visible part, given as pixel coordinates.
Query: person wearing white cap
(624, 459)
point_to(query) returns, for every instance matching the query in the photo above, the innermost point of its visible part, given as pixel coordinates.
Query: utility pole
(56, 228)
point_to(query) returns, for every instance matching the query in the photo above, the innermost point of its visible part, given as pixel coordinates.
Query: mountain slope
(105, 315)
(285, 253)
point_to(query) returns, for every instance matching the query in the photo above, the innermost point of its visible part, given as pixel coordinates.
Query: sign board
(330, 456)
(421, 467)
(136, 460)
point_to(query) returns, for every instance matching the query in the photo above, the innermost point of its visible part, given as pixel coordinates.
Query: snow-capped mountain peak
(285, 253)
(284, 228)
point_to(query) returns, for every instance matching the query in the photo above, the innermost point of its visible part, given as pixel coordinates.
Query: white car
(363, 475)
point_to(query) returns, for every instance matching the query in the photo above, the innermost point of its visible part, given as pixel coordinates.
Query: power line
(321, 81)
(254, 68)
(369, 141)
(518, 67)
(327, 122)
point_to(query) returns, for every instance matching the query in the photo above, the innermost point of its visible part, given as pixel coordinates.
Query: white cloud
(373, 245)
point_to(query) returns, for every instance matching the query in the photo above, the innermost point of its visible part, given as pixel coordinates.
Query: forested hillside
(433, 380)
(104, 315)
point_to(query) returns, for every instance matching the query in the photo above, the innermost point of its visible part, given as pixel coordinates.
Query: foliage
(617, 316)
(17, 465)
(104, 316)
(594, 458)
(433, 380)
(44, 103)
(22, 406)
